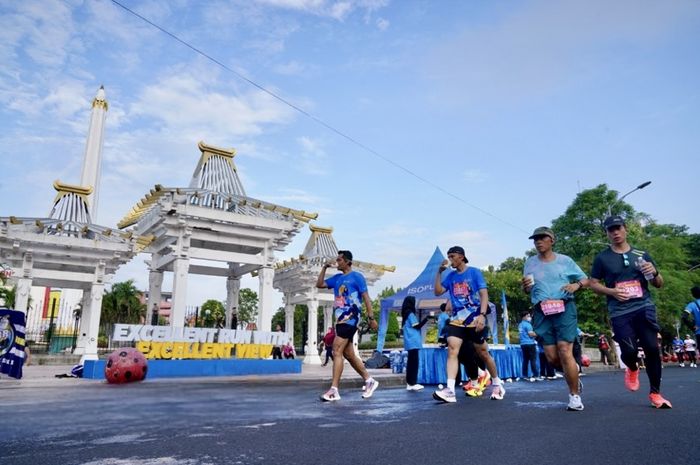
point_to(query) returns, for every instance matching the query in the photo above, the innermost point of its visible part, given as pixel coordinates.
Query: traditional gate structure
(66, 249)
(213, 220)
(296, 279)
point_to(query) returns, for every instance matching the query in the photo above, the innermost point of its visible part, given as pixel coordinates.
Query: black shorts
(468, 334)
(345, 331)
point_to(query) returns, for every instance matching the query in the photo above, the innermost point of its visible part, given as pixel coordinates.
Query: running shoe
(414, 387)
(331, 395)
(498, 392)
(658, 401)
(575, 404)
(631, 379)
(445, 395)
(682, 365)
(473, 389)
(484, 380)
(371, 385)
(532, 380)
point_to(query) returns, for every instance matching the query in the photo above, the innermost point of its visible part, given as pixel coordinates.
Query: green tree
(247, 306)
(211, 313)
(580, 235)
(122, 304)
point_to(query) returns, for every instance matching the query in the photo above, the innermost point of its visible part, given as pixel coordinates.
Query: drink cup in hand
(530, 280)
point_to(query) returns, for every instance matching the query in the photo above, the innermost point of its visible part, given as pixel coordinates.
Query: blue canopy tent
(422, 288)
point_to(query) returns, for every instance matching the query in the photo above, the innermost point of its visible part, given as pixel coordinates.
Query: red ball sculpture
(586, 360)
(126, 365)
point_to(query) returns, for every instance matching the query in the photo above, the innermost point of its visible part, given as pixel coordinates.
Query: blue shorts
(554, 328)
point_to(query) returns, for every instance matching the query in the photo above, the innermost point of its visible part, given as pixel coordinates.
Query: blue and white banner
(504, 305)
(12, 355)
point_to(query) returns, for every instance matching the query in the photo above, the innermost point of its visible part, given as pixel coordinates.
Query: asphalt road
(214, 422)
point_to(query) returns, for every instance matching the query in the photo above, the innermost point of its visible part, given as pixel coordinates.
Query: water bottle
(640, 263)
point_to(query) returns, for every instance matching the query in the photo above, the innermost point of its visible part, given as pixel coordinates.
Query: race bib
(552, 307)
(339, 302)
(633, 289)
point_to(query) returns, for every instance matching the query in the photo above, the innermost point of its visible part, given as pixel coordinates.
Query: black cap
(458, 249)
(615, 220)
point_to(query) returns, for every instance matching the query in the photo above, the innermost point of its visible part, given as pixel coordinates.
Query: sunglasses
(625, 260)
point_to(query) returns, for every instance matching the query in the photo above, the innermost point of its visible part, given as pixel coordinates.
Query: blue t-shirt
(347, 289)
(619, 270)
(411, 336)
(464, 293)
(524, 328)
(694, 309)
(551, 276)
(442, 320)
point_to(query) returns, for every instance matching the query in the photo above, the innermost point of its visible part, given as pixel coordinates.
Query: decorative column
(155, 286)
(24, 283)
(327, 317)
(92, 163)
(81, 343)
(289, 317)
(181, 267)
(233, 288)
(311, 349)
(265, 275)
(91, 313)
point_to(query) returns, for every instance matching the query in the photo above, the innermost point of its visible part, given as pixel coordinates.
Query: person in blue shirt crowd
(623, 274)
(469, 298)
(350, 293)
(412, 341)
(551, 279)
(691, 313)
(442, 320)
(528, 345)
(678, 349)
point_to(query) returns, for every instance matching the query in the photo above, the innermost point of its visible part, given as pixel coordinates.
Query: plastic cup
(531, 278)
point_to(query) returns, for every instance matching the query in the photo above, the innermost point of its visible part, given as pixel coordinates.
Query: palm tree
(122, 304)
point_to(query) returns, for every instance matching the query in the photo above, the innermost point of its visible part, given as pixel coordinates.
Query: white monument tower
(92, 163)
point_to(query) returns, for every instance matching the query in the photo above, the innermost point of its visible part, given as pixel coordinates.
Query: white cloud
(194, 108)
(291, 68)
(382, 24)
(313, 156)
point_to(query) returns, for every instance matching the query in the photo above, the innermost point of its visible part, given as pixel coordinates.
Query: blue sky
(511, 106)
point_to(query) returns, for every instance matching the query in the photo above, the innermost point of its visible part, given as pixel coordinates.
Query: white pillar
(289, 319)
(233, 288)
(327, 317)
(24, 283)
(90, 323)
(81, 343)
(181, 267)
(93, 324)
(311, 349)
(265, 295)
(24, 287)
(92, 163)
(155, 287)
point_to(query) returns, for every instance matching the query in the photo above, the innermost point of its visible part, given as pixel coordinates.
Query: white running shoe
(498, 392)
(371, 385)
(575, 404)
(331, 395)
(414, 387)
(532, 380)
(445, 395)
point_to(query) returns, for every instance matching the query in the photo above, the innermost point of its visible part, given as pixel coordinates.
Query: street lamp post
(641, 186)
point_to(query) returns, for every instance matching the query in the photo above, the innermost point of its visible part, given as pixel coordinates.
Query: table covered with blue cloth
(432, 368)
